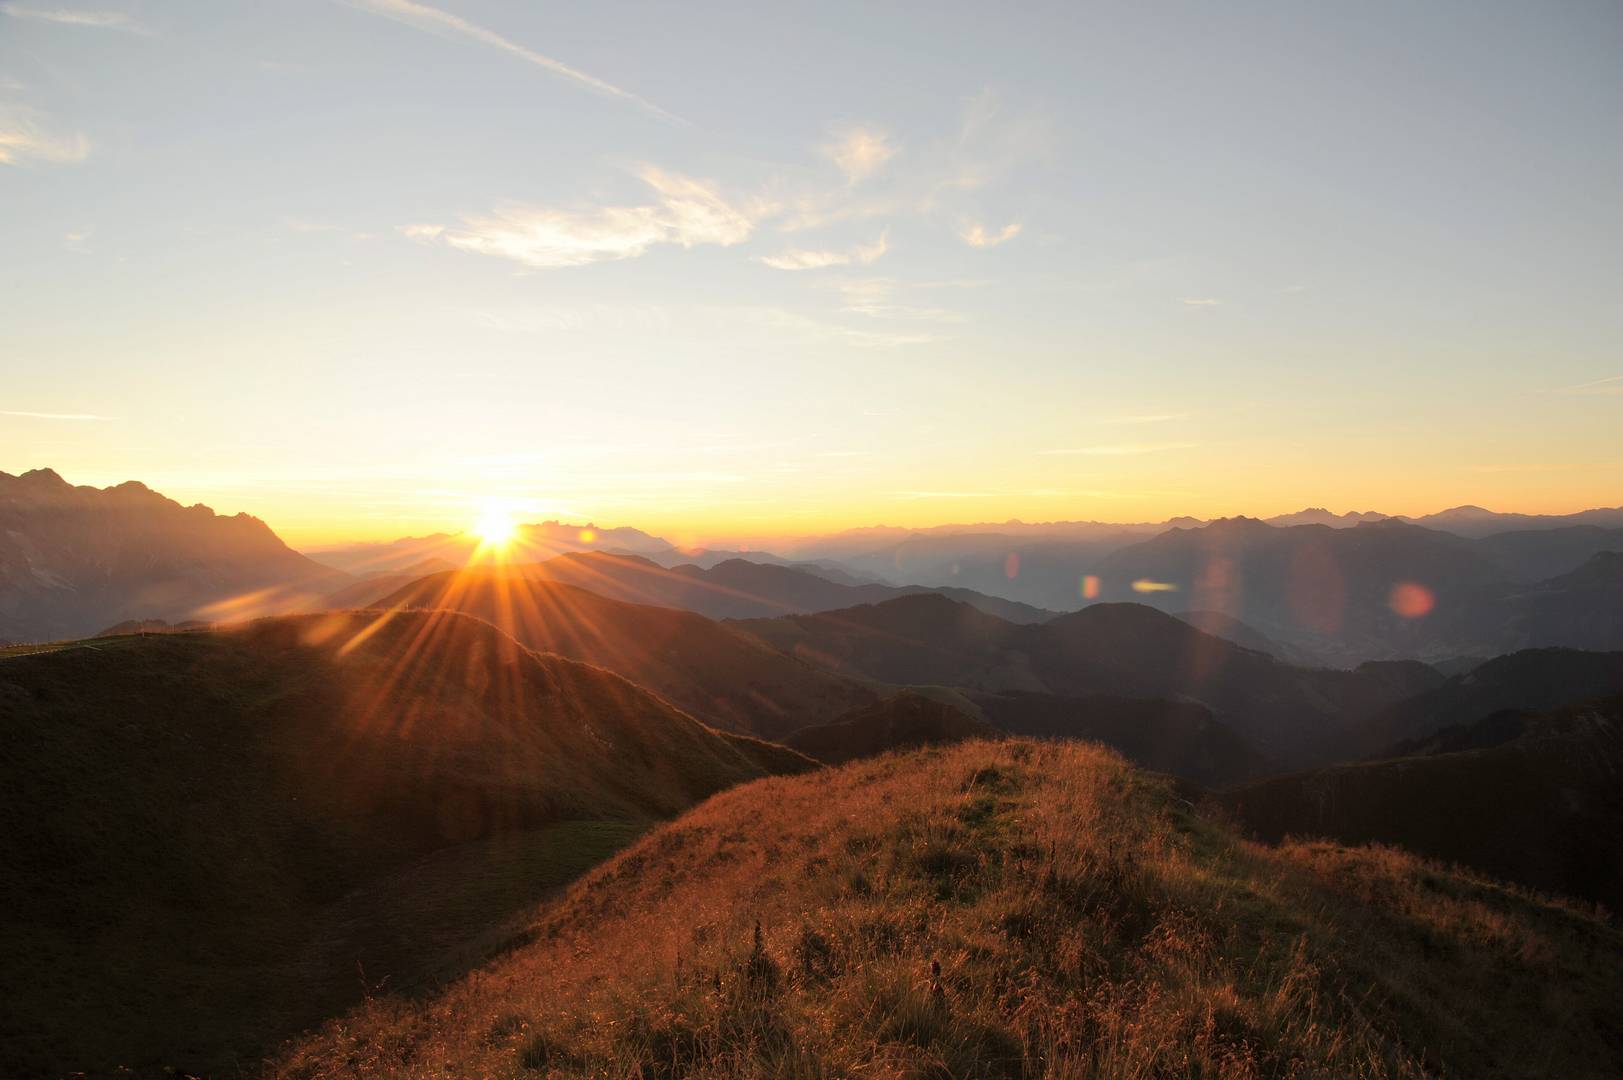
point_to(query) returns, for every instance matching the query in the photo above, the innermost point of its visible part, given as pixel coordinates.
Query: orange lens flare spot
(1090, 587)
(1011, 565)
(1410, 600)
(1145, 585)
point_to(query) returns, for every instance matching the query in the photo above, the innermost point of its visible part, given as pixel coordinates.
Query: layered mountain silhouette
(905, 721)
(1534, 679)
(213, 840)
(714, 671)
(1528, 797)
(74, 560)
(738, 588)
(1124, 650)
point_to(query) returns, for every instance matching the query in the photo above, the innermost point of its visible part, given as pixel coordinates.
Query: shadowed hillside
(1531, 798)
(1176, 737)
(1122, 650)
(212, 839)
(711, 670)
(1008, 910)
(904, 722)
(740, 588)
(1535, 679)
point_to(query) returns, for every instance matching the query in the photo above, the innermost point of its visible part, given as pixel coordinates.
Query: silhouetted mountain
(713, 671)
(1329, 591)
(1128, 650)
(1474, 521)
(738, 588)
(1531, 798)
(1317, 515)
(1582, 609)
(213, 841)
(1175, 737)
(1534, 679)
(76, 559)
(1539, 554)
(1229, 628)
(906, 721)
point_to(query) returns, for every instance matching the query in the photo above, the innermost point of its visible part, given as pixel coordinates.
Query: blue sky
(725, 271)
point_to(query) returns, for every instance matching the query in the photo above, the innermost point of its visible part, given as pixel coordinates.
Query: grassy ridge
(213, 840)
(1008, 909)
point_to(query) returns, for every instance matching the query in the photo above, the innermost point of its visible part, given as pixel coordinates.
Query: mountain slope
(739, 588)
(1180, 738)
(1532, 798)
(1008, 910)
(1122, 650)
(76, 559)
(906, 721)
(711, 670)
(1533, 679)
(209, 836)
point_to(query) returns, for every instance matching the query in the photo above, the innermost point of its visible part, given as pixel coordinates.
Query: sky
(734, 271)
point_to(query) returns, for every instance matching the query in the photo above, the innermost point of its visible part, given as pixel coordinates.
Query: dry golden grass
(1007, 910)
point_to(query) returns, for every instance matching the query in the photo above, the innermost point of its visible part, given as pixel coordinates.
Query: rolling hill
(739, 588)
(1291, 714)
(1008, 910)
(712, 670)
(905, 721)
(74, 560)
(215, 839)
(1534, 679)
(1528, 797)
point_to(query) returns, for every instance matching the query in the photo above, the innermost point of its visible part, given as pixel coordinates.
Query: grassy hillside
(713, 671)
(1008, 909)
(213, 840)
(1530, 798)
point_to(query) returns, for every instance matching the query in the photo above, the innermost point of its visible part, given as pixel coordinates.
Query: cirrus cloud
(798, 259)
(685, 212)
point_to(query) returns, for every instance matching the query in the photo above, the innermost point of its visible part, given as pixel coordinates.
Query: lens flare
(1145, 585)
(1090, 587)
(1410, 600)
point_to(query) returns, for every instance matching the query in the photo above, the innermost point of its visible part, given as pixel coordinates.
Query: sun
(495, 527)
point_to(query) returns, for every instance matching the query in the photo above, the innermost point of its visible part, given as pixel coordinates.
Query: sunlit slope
(211, 839)
(713, 671)
(1008, 909)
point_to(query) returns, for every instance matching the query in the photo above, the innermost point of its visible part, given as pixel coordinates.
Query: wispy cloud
(1120, 449)
(445, 24)
(1608, 386)
(1202, 301)
(78, 239)
(686, 213)
(801, 259)
(860, 153)
(97, 20)
(24, 138)
(976, 235)
(1146, 418)
(947, 494)
(875, 298)
(53, 415)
